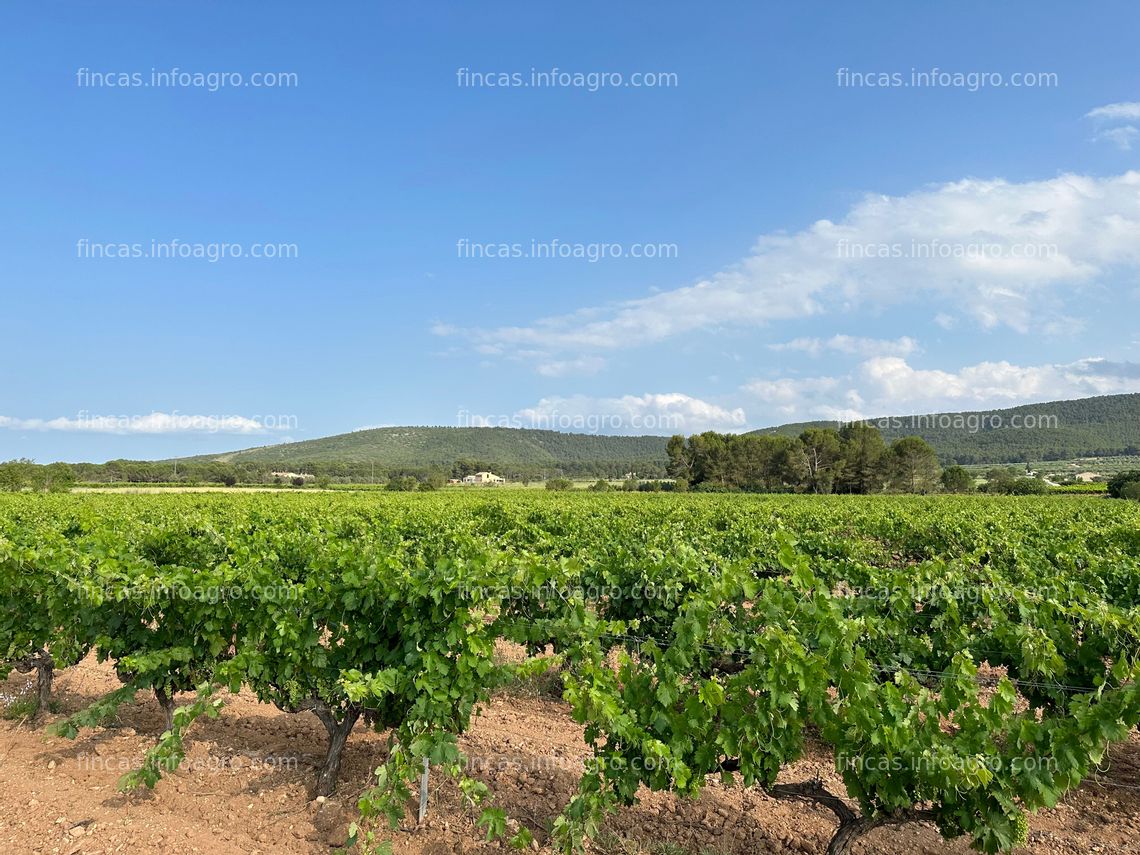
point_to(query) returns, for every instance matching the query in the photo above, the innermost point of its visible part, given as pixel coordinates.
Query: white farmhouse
(483, 478)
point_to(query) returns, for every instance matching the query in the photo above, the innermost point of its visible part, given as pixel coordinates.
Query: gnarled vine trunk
(338, 732)
(44, 666)
(851, 825)
(167, 703)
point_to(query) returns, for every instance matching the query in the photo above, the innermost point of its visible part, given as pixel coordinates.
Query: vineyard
(965, 660)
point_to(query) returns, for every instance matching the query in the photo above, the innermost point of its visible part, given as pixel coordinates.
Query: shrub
(559, 484)
(957, 479)
(1119, 482)
(710, 487)
(60, 477)
(1016, 486)
(1027, 487)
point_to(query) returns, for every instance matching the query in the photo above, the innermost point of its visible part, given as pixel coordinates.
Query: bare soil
(247, 788)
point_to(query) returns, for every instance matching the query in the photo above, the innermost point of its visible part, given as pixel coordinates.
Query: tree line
(854, 459)
(23, 474)
(200, 471)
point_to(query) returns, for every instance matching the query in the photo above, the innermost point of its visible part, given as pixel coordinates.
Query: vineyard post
(424, 791)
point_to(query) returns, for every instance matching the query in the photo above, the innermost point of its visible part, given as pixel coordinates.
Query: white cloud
(889, 385)
(581, 365)
(1120, 110)
(1123, 135)
(852, 345)
(997, 383)
(786, 396)
(652, 413)
(1016, 252)
(153, 423)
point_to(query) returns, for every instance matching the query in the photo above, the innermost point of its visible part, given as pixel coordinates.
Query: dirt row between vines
(247, 788)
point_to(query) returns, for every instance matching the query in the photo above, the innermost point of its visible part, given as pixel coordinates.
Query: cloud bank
(997, 252)
(153, 423)
(651, 413)
(889, 385)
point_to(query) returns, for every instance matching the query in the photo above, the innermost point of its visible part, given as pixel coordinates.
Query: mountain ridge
(415, 446)
(1083, 427)
(1100, 426)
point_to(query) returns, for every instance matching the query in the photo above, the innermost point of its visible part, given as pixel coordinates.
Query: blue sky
(825, 248)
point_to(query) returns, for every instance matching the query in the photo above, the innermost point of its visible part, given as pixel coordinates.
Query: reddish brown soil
(247, 788)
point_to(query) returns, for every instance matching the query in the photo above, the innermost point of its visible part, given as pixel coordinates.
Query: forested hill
(506, 448)
(1058, 430)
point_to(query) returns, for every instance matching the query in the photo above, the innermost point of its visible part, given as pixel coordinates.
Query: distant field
(1097, 488)
(1104, 466)
(179, 488)
(1099, 465)
(309, 488)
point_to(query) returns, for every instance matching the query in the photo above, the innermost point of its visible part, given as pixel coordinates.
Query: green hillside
(505, 448)
(1089, 427)
(1058, 430)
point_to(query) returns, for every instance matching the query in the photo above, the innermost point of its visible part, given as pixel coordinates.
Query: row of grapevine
(738, 625)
